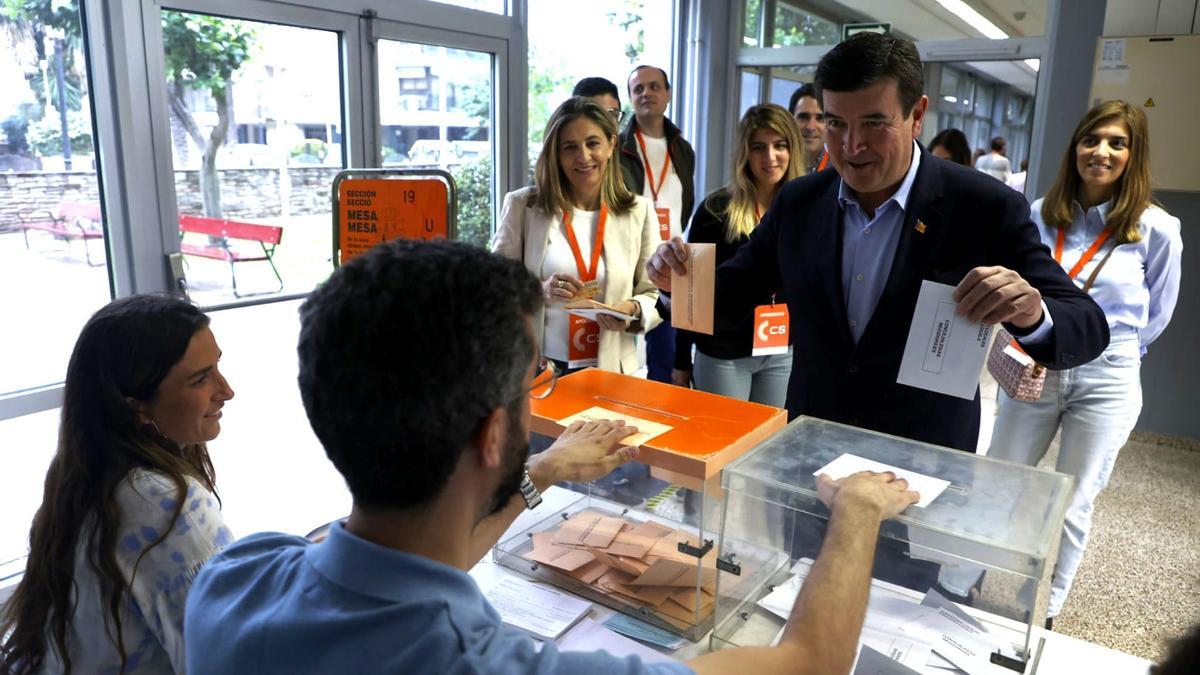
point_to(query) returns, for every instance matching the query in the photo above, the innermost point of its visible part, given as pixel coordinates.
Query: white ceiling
(928, 20)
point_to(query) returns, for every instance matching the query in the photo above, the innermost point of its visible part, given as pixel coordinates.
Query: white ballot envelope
(846, 464)
(945, 352)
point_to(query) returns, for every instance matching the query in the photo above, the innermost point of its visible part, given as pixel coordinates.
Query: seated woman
(586, 236)
(768, 154)
(129, 512)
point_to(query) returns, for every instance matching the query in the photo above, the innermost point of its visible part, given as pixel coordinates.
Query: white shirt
(994, 165)
(152, 611)
(560, 260)
(670, 194)
(1139, 285)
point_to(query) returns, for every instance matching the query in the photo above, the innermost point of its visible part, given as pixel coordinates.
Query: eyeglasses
(544, 379)
(615, 112)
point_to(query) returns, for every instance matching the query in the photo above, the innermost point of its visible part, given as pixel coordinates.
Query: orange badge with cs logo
(772, 330)
(583, 342)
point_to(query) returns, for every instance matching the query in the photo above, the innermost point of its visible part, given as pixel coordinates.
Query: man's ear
(918, 114)
(139, 410)
(489, 438)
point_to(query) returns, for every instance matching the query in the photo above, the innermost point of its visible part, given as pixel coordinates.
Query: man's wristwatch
(530, 492)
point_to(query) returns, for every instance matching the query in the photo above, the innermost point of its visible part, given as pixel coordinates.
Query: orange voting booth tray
(692, 434)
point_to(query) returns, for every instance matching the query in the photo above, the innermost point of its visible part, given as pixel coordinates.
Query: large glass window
(256, 131)
(53, 263)
(606, 38)
(797, 27)
(435, 111)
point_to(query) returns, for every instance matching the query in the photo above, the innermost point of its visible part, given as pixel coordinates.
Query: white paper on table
(847, 464)
(871, 661)
(895, 645)
(779, 601)
(590, 636)
(957, 641)
(646, 429)
(945, 352)
(542, 612)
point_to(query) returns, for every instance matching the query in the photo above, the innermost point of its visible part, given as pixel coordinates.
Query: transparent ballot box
(641, 540)
(976, 560)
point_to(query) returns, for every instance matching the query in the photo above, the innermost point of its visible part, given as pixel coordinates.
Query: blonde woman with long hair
(768, 153)
(585, 236)
(1098, 214)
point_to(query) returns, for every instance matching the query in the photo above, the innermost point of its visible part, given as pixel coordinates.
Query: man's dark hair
(803, 90)
(1183, 655)
(404, 351)
(666, 80)
(998, 143)
(595, 86)
(864, 59)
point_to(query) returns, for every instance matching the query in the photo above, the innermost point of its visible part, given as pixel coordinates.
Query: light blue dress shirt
(275, 603)
(1139, 285)
(869, 247)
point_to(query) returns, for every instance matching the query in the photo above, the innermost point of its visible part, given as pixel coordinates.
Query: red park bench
(221, 231)
(74, 220)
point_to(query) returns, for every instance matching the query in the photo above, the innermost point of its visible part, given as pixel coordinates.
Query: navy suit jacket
(971, 220)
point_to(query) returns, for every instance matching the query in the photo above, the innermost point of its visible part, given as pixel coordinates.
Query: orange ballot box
(685, 435)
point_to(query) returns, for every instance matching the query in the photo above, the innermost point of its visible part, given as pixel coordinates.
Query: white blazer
(629, 240)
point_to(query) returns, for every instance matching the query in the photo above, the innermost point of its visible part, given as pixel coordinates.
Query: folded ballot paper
(638, 561)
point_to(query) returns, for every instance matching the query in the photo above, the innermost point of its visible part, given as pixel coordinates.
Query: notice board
(1158, 73)
(371, 206)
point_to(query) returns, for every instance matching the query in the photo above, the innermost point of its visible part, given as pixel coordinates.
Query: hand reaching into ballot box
(881, 492)
(670, 255)
(992, 295)
(584, 452)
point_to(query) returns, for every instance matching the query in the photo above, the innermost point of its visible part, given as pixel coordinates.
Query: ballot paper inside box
(991, 535)
(661, 571)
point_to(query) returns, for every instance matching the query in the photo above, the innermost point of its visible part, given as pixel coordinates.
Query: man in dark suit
(849, 249)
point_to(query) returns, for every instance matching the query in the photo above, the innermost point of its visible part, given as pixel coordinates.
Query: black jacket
(708, 226)
(683, 158)
(970, 219)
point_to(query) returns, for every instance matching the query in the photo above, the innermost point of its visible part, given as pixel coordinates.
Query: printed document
(540, 611)
(945, 352)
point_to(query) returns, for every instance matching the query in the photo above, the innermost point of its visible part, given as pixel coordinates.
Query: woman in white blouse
(584, 235)
(129, 513)
(1098, 214)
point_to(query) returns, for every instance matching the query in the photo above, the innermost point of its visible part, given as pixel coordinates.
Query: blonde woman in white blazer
(578, 193)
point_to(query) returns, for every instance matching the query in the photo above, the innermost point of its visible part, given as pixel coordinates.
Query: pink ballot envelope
(692, 294)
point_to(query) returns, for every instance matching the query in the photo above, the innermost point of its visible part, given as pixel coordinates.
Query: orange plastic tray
(709, 431)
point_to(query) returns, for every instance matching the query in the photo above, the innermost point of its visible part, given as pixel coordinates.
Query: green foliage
(751, 21)
(45, 135)
(630, 20)
(34, 19)
(474, 181)
(203, 52)
(797, 28)
(547, 81)
(312, 147)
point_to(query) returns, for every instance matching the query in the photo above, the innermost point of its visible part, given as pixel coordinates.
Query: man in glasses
(601, 91)
(417, 363)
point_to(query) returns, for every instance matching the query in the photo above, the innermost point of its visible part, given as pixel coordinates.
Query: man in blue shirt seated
(417, 361)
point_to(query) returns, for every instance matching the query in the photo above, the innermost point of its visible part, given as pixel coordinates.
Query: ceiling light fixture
(976, 20)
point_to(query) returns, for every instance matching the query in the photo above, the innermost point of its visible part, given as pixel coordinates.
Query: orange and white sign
(772, 330)
(664, 222)
(375, 210)
(583, 342)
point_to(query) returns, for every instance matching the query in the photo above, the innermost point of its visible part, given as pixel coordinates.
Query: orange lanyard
(662, 176)
(586, 274)
(824, 161)
(1087, 255)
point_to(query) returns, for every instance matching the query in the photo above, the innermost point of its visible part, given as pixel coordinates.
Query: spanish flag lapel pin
(920, 228)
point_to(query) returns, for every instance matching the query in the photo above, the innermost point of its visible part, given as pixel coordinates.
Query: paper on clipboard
(692, 293)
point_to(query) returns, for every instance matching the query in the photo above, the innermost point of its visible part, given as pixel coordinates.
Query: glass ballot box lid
(981, 543)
